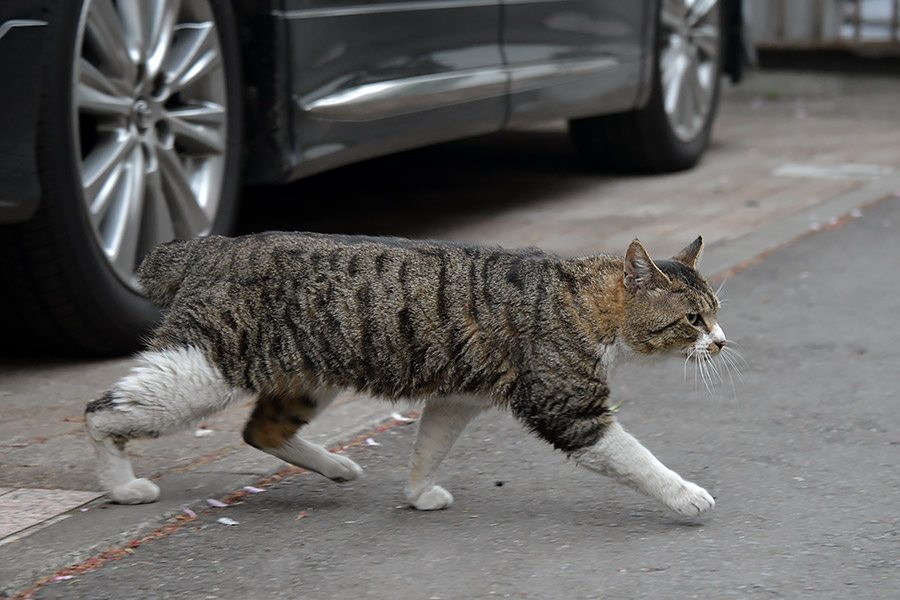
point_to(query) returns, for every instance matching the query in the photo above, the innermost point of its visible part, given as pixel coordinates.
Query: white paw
(434, 499)
(690, 500)
(136, 491)
(341, 469)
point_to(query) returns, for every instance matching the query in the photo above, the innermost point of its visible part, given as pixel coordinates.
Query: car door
(377, 76)
(574, 57)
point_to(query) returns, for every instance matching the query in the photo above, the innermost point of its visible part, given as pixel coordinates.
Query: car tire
(118, 178)
(657, 138)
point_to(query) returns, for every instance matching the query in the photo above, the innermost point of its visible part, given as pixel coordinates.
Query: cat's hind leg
(619, 455)
(167, 391)
(273, 428)
(442, 422)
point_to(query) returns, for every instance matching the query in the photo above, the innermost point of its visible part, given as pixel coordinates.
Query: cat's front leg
(618, 454)
(443, 420)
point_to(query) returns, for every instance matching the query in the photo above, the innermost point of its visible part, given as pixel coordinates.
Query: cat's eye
(692, 318)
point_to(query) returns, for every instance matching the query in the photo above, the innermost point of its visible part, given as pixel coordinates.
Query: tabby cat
(290, 319)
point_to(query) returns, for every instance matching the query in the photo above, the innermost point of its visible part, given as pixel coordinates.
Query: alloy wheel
(149, 107)
(689, 63)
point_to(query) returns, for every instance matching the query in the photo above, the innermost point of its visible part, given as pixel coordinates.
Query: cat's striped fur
(291, 318)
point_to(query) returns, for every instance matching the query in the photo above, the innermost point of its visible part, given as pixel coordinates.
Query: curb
(726, 257)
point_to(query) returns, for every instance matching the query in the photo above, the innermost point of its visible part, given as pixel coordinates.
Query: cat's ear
(690, 256)
(641, 274)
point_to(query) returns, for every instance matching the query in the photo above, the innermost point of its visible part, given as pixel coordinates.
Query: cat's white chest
(609, 353)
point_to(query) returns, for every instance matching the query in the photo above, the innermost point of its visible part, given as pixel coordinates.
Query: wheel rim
(149, 108)
(689, 60)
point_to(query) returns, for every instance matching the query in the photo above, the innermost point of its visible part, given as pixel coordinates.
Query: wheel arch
(265, 57)
(733, 59)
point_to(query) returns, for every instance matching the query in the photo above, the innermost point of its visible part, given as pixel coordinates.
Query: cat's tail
(163, 270)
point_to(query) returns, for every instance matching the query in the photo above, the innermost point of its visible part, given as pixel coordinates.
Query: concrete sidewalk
(790, 154)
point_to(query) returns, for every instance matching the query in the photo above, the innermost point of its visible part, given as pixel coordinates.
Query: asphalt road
(802, 458)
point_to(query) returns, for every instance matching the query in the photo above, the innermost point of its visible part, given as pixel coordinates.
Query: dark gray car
(126, 123)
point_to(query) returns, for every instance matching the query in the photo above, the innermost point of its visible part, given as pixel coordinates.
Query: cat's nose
(716, 346)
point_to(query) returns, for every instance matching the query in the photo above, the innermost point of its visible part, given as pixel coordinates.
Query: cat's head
(669, 305)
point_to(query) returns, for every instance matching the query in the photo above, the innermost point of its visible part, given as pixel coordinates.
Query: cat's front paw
(342, 469)
(434, 499)
(136, 491)
(690, 500)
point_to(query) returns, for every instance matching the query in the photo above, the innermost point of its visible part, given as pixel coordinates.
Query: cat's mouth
(712, 342)
(716, 361)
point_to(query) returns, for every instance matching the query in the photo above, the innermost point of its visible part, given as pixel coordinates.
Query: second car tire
(645, 140)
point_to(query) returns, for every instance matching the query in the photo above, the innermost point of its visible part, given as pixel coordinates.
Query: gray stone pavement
(791, 153)
(803, 460)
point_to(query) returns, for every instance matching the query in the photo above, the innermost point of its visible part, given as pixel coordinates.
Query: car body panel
(590, 53)
(380, 76)
(21, 35)
(267, 112)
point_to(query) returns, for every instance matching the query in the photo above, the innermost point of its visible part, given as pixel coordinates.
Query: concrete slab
(23, 508)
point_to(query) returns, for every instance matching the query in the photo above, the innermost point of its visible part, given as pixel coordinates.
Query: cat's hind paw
(434, 499)
(690, 500)
(136, 491)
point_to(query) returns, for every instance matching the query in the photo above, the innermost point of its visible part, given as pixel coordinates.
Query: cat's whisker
(730, 360)
(735, 354)
(719, 298)
(714, 368)
(687, 359)
(704, 371)
(728, 370)
(726, 361)
(720, 369)
(696, 369)
(732, 343)
(734, 350)
(707, 380)
(704, 367)
(732, 366)
(728, 354)
(721, 287)
(728, 366)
